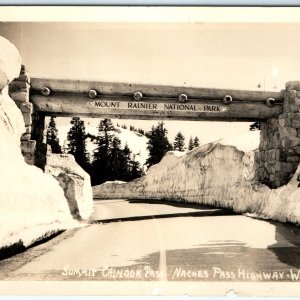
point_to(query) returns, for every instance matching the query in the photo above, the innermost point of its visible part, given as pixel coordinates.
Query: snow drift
(10, 62)
(32, 204)
(195, 176)
(75, 182)
(213, 174)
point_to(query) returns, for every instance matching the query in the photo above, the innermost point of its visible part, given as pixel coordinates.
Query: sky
(218, 55)
(221, 55)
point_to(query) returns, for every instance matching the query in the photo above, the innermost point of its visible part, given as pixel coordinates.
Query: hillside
(136, 142)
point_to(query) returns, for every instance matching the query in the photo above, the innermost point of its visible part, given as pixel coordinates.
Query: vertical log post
(39, 135)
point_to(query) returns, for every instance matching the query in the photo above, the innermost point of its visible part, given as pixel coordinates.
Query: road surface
(159, 241)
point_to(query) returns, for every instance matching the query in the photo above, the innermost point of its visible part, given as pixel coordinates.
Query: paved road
(135, 240)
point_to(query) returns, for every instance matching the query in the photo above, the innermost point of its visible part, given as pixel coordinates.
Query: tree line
(111, 161)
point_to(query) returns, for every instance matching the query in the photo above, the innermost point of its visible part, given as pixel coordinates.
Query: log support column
(39, 134)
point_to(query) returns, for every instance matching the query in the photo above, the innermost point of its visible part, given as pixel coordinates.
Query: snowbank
(32, 204)
(213, 174)
(10, 62)
(75, 182)
(198, 174)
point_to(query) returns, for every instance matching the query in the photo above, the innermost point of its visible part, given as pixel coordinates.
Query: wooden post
(38, 134)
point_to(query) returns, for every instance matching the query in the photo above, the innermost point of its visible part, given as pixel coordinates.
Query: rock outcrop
(74, 181)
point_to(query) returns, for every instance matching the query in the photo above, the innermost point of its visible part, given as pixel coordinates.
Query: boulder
(75, 183)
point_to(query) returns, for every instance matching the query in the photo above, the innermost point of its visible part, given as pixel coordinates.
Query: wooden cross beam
(63, 97)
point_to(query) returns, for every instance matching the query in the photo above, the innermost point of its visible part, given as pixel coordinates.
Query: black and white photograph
(150, 151)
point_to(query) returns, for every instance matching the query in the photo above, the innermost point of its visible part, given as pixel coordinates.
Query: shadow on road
(213, 213)
(14, 249)
(172, 203)
(290, 233)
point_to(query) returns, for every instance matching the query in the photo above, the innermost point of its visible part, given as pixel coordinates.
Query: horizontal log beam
(123, 108)
(127, 89)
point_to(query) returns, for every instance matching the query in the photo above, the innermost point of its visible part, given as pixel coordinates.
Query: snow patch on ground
(115, 182)
(177, 153)
(137, 143)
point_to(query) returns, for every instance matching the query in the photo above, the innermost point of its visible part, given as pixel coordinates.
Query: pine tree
(179, 142)
(196, 142)
(101, 165)
(104, 139)
(133, 169)
(126, 158)
(118, 161)
(157, 144)
(141, 131)
(52, 137)
(127, 153)
(111, 162)
(191, 144)
(254, 126)
(77, 143)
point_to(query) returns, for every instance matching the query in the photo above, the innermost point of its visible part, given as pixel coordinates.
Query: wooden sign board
(184, 107)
